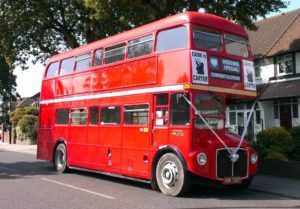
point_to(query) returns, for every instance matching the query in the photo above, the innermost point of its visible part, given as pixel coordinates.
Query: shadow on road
(21, 170)
(196, 191)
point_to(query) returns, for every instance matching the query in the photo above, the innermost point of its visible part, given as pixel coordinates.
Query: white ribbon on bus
(233, 152)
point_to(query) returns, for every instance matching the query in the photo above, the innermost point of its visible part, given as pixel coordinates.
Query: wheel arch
(164, 150)
(58, 142)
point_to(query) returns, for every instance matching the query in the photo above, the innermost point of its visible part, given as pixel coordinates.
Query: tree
(7, 90)
(45, 27)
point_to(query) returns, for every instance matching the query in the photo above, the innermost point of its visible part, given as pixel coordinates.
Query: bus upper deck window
(115, 53)
(236, 45)
(174, 38)
(83, 62)
(67, 66)
(140, 46)
(207, 39)
(52, 70)
(98, 57)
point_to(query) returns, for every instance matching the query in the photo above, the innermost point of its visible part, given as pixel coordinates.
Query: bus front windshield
(211, 107)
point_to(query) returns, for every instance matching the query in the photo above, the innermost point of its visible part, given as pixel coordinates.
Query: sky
(29, 81)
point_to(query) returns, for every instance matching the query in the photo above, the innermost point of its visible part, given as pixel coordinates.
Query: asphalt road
(26, 183)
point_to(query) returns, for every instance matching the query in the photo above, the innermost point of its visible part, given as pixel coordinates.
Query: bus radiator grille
(226, 168)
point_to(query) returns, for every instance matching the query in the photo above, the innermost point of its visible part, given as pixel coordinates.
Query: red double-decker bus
(149, 104)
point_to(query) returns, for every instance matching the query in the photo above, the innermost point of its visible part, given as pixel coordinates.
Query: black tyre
(172, 178)
(60, 159)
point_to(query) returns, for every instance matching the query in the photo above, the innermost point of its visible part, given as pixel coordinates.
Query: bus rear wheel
(60, 159)
(172, 178)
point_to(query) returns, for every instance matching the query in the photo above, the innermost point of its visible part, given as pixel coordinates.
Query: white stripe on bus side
(115, 94)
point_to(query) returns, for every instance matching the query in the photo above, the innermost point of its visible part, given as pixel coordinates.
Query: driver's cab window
(180, 109)
(211, 107)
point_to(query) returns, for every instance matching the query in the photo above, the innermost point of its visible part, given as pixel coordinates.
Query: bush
(28, 126)
(295, 133)
(18, 113)
(274, 155)
(274, 143)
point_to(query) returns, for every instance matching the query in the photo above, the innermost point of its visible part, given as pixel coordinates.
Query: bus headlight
(254, 158)
(201, 158)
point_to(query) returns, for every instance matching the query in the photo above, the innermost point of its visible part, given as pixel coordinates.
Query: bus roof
(204, 19)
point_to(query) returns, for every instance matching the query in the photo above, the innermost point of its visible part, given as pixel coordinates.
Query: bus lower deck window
(110, 115)
(136, 114)
(62, 116)
(79, 117)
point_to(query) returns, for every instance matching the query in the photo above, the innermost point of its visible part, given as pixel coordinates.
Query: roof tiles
(276, 34)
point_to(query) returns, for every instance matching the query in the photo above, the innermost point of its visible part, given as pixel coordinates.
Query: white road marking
(78, 188)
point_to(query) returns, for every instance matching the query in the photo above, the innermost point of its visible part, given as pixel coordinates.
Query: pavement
(27, 149)
(288, 187)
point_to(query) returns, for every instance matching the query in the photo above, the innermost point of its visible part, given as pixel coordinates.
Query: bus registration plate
(232, 180)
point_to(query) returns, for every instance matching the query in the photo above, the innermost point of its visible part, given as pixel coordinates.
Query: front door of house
(286, 116)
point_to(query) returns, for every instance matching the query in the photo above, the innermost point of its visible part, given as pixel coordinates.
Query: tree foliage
(19, 113)
(45, 27)
(7, 90)
(28, 127)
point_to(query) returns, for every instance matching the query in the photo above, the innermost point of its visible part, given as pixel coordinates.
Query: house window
(257, 116)
(257, 68)
(276, 109)
(295, 108)
(285, 64)
(291, 102)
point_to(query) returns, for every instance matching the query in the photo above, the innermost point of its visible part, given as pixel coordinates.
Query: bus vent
(226, 168)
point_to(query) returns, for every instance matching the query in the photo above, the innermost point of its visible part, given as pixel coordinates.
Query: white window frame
(284, 58)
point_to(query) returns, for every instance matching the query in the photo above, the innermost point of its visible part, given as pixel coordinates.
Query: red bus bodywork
(133, 149)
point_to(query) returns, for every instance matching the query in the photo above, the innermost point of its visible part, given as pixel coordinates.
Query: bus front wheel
(60, 159)
(172, 178)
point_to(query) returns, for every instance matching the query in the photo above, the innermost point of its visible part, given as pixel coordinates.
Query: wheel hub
(169, 174)
(60, 159)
